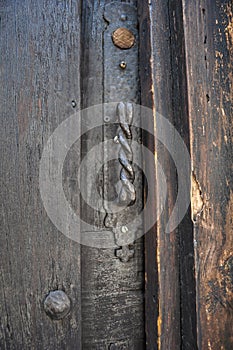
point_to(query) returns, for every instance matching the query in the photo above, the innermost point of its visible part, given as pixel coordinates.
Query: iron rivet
(57, 304)
(123, 64)
(124, 229)
(123, 17)
(74, 104)
(106, 119)
(123, 38)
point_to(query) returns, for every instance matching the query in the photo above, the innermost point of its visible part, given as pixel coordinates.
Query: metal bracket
(127, 192)
(121, 85)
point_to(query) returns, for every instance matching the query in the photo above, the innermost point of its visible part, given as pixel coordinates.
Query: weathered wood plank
(151, 271)
(112, 291)
(185, 228)
(40, 47)
(166, 298)
(209, 42)
(170, 290)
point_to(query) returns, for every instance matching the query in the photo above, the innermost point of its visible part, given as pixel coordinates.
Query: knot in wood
(57, 304)
(123, 38)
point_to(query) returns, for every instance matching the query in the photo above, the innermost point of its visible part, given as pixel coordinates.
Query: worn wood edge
(152, 248)
(152, 321)
(212, 332)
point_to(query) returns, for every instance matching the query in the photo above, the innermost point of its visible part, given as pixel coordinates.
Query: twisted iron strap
(127, 193)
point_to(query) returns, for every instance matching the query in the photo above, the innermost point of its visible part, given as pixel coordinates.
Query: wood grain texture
(112, 291)
(185, 228)
(40, 49)
(165, 257)
(169, 262)
(209, 57)
(151, 271)
(185, 52)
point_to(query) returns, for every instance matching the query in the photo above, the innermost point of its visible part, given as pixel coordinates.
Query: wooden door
(187, 63)
(40, 79)
(93, 85)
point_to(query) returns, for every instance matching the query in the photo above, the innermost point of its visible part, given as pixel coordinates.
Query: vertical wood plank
(151, 271)
(209, 57)
(40, 47)
(112, 291)
(169, 262)
(185, 228)
(166, 298)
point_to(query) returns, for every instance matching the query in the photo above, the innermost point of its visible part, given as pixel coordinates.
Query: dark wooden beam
(40, 57)
(208, 29)
(169, 261)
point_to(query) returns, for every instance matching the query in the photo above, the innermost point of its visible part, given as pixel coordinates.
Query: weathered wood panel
(40, 73)
(112, 290)
(209, 44)
(170, 289)
(161, 249)
(40, 47)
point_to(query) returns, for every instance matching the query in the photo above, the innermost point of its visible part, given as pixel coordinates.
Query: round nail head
(123, 65)
(123, 38)
(124, 229)
(57, 304)
(107, 119)
(124, 17)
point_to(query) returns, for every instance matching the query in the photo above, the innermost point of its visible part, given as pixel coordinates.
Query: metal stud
(123, 64)
(123, 38)
(123, 17)
(57, 304)
(73, 103)
(107, 119)
(124, 229)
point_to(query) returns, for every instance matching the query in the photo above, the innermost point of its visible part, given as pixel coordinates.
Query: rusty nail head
(123, 38)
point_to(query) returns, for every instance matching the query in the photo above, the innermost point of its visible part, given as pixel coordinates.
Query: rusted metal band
(121, 83)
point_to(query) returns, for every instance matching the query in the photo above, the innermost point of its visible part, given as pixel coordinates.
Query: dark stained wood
(151, 271)
(112, 291)
(209, 42)
(166, 281)
(58, 57)
(169, 263)
(40, 47)
(185, 228)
